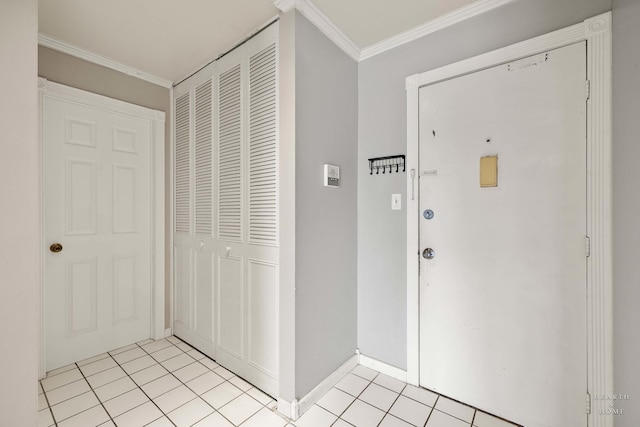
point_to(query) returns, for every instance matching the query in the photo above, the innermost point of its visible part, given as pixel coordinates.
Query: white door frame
(596, 32)
(156, 119)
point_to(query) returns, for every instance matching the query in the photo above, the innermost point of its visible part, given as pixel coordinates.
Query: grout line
(48, 405)
(94, 393)
(432, 409)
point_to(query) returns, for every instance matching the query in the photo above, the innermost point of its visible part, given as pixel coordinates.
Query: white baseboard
(321, 389)
(383, 368)
(168, 332)
(288, 409)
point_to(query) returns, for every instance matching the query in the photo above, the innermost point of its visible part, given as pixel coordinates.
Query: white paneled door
(503, 291)
(225, 241)
(97, 230)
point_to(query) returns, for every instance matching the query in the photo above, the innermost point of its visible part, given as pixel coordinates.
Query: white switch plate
(396, 202)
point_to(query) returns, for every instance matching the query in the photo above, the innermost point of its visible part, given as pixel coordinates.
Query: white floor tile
(239, 409)
(93, 359)
(93, 417)
(440, 419)
(214, 420)
(68, 391)
(44, 418)
(161, 422)
(125, 402)
(108, 424)
(485, 420)
(455, 409)
(204, 382)
(59, 380)
(149, 374)
(224, 373)
(105, 377)
(316, 417)
(364, 372)
(259, 396)
(140, 416)
(421, 395)
(184, 347)
(160, 386)
(189, 372)
(378, 396)
(172, 399)
(98, 366)
(190, 413)
(138, 364)
(129, 355)
(209, 363)
(352, 384)
(410, 411)
(361, 414)
(196, 354)
(341, 423)
(156, 345)
(390, 383)
(240, 383)
(144, 342)
(61, 370)
(115, 389)
(336, 401)
(173, 339)
(265, 418)
(391, 421)
(178, 362)
(74, 406)
(221, 395)
(166, 353)
(123, 349)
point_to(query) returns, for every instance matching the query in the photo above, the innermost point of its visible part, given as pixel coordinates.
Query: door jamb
(596, 32)
(156, 119)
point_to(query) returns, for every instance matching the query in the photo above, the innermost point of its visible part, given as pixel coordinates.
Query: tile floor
(168, 383)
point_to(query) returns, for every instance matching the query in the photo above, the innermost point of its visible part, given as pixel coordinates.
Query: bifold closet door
(226, 240)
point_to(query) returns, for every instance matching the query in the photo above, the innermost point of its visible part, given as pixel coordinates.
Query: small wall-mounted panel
(489, 171)
(80, 132)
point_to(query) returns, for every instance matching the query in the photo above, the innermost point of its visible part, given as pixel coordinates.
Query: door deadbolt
(55, 248)
(428, 253)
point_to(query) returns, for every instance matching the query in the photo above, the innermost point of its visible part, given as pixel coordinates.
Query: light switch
(489, 171)
(396, 202)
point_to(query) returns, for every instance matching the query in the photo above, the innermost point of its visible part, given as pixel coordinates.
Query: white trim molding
(69, 49)
(475, 8)
(383, 368)
(596, 32)
(156, 118)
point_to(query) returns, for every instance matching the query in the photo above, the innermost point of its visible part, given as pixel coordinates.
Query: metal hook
(397, 167)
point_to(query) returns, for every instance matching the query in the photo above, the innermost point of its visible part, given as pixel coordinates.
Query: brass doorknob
(55, 248)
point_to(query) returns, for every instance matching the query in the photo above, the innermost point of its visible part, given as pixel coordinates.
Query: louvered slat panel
(203, 166)
(230, 156)
(262, 147)
(182, 166)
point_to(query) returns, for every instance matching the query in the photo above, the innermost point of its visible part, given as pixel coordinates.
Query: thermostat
(331, 176)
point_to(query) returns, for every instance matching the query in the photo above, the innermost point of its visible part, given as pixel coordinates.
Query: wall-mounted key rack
(387, 164)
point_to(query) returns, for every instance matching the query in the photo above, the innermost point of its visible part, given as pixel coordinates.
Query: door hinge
(587, 89)
(587, 246)
(588, 403)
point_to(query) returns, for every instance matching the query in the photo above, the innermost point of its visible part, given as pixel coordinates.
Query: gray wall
(68, 70)
(20, 225)
(382, 131)
(326, 132)
(626, 208)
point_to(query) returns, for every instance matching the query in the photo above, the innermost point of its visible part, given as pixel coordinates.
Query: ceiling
(172, 38)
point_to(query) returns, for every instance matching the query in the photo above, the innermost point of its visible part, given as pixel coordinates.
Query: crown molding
(55, 44)
(476, 8)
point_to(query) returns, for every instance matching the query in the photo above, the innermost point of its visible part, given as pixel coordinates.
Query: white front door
(503, 297)
(97, 205)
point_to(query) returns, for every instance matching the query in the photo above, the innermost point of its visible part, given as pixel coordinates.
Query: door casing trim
(156, 118)
(596, 32)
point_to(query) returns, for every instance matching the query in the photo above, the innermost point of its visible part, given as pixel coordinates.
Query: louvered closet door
(247, 211)
(226, 207)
